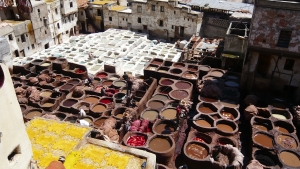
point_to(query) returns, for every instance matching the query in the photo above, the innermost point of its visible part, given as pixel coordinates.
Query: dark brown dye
(164, 129)
(156, 62)
(179, 94)
(207, 99)
(182, 85)
(196, 151)
(167, 82)
(99, 122)
(205, 110)
(159, 144)
(156, 104)
(178, 65)
(203, 123)
(69, 103)
(74, 82)
(263, 140)
(287, 141)
(67, 87)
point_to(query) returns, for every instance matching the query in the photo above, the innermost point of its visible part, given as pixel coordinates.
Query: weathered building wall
(213, 27)
(68, 6)
(8, 33)
(267, 24)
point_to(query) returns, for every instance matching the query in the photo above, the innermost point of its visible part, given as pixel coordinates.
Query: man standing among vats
(129, 86)
(125, 76)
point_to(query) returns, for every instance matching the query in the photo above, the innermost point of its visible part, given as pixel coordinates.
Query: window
(153, 7)
(140, 31)
(58, 25)
(18, 39)
(32, 46)
(289, 64)
(71, 4)
(120, 27)
(161, 23)
(10, 37)
(47, 46)
(38, 10)
(23, 38)
(67, 32)
(123, 19)
(174, 12)
(162, 9)
(61, 5)
(139, 9)
(99, 12)
(45, 32)
(81, 13)
(28, 48)
(56, 11)
(284, 39)
(17, 53)
(172, 26)
(139, 20)
(45, 22)
(110, 18)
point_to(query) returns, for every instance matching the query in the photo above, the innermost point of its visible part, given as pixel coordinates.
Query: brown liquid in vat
(48, 104)
(99, 108)
(46, 94)
(119, 116)
(196, 151)
(287, 141)
(290, 159)
(169, 113)
(159, 144)
(69, 103)
(260, 127)
(91, 100)
(107, 83)
(263, 140)
(179, 94)
(281, 129)
(203, 123)
(150, 115)
(99, 122)
(156, 105)
(205, 110)
(225, 127)
(182, 85)
(67, 87)
(164, 129)
(32, 114)
(160, 97)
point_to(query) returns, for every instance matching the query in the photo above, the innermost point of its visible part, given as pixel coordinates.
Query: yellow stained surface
(101, 2)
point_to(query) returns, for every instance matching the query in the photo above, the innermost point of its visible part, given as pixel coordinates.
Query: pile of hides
(141, 126)
(109, 131)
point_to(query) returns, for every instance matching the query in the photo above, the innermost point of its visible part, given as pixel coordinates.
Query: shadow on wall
(1, 77)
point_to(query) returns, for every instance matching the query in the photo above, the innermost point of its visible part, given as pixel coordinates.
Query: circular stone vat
(202, 121)
(163, 69)
(46, 64)
(164, 89)
(179, 65)
(119, 96)
(98, 122)
(261, 124)
(216, 73)
(73, 81)
(161, 97)
(183, 85)
(49, 103)
(150, 115)
(33, 113)
(91, 99)
(152, 67)
(157, 61)
(164, 127)
(224, 141)
(179, 94)
(230, 83)
(281, 114)
(226, 126)
(160, 144)
(284, 127)
(169, 113)
(130, 139)
(114, 77)
(82, 105)
(166, 82)
(206, 108)
(176, 71)
(107, 83)
(190, 75)
(196, 150)
(201, 137)
(155, 104)
(46, 93)
(204, 68)
(69, 102)
(71, 119)
(263, 140)
(264, 113)
(101, 75)
(36, 61)
(99, 108)
(67, 87)
(207, 99)
(287, 141)
(265, 158)
(290, 158)
(61, 116)
(211, 78)
(119, 83)
(192, 68)
(106, 100)
(229, 113)
(229, 103)
(118, 112)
